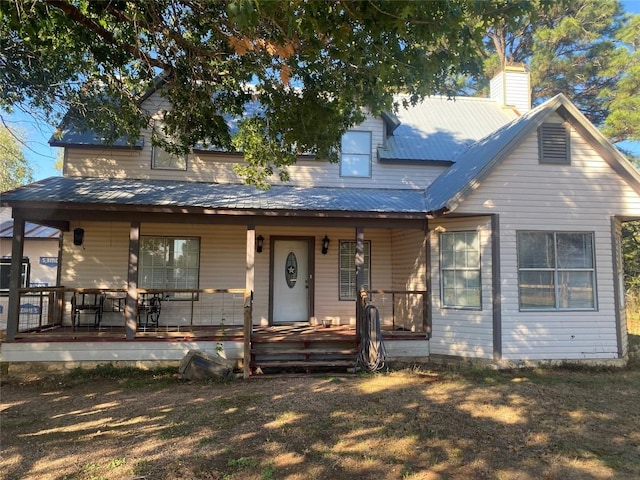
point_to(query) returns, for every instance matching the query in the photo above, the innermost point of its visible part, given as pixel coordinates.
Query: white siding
(512, 88)
(409, 260)
(462, 332)
(582, 196)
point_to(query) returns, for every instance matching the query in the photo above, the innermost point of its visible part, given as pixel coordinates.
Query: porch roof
(93, 192)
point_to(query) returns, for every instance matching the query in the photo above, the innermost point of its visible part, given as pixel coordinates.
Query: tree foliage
(14, 167)
(314, 64)
(570, 47)
(623, 122)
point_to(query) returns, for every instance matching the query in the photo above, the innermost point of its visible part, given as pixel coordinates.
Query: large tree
(313, 63)
(623, 121)
(14, 166)
(570, 46)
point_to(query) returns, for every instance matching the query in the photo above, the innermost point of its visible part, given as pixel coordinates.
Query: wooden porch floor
(302, 332)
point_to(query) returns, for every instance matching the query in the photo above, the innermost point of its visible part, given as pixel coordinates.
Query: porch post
(17, 250)
(359, 261)
(497, 282)
(131, 307)
(248, 299)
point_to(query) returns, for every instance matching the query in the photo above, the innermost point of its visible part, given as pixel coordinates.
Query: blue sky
(42, 157)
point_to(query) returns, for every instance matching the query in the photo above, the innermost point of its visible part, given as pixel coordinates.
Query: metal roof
(438, 128)
(31, 230)
(73, 136)
(154, 193)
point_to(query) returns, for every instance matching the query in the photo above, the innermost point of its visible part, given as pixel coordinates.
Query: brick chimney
(511, 87)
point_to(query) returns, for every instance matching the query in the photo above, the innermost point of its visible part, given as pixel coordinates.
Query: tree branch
(74, 14)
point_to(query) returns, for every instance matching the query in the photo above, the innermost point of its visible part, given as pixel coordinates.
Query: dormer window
(355, 156)
(160, 158)
(553, 144)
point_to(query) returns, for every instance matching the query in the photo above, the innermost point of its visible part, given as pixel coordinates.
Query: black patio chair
(149, 311)
(90, 303)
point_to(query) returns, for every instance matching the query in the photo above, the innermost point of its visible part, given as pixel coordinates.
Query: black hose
(372, 355)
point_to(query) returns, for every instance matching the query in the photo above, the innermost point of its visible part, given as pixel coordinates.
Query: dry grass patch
(436, 424)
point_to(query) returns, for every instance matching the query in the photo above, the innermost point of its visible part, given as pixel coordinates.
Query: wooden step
(302, 351)
(305, 364)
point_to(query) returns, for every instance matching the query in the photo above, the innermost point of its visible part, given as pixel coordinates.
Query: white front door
(290, 281)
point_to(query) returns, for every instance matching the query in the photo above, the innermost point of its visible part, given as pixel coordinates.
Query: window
(553, 144)
(160, 158)
(460, 270)
(348, 269)
(5, 273)
(169, 263)
(355, 159)
(556, 271)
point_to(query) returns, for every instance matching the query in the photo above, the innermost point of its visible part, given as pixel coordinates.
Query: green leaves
(315, 65)
(14, 168)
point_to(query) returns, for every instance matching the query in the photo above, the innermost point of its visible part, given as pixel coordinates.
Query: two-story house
(480, 229)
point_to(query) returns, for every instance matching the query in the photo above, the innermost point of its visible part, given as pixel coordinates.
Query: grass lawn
(444, 423)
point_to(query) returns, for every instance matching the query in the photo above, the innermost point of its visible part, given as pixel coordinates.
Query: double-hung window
(460, 270)
(160, 158)
(355, 154)
(169, 263)
(556, 271)
(347, 269)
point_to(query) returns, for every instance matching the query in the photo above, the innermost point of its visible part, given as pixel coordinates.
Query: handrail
(425, 321)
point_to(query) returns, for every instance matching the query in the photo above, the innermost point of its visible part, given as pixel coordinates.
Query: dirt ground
(411, 424)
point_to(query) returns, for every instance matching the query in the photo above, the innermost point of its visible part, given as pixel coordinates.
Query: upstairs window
(355, 159)
(554, 144)
(556, 271)
(160, 158)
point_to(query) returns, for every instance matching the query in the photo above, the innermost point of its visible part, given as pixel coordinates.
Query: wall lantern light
(259, 243)
(325, 245)
(78, 236)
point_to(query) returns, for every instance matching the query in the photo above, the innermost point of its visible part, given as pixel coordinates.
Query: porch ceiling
(128, 194)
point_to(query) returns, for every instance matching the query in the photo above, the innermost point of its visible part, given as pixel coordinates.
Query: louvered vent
(553, 142)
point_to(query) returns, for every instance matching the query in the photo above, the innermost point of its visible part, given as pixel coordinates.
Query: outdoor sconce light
(259, 243)
(325, 245)
(78, 236)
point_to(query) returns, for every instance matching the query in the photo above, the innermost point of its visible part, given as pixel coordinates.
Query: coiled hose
(372, 355)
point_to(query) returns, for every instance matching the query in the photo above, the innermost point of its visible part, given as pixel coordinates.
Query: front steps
(296, 354)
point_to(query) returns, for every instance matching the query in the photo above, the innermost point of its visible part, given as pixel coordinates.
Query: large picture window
(460, 270)
(348, 269)
(355, 154)
(169, 263)
(556, 271)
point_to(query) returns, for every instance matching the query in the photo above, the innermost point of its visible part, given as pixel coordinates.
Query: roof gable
(477, 161)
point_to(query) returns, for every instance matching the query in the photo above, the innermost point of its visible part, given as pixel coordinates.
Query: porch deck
(276, 333)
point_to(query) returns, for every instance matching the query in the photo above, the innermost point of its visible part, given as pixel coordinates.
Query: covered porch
(346, 244)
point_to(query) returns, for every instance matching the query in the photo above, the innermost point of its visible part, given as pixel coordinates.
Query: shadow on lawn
(445, 423)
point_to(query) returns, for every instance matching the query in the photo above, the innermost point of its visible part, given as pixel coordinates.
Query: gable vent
(553, 143)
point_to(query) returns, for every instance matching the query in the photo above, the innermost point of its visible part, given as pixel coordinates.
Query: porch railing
(400, 310)
(46, 309)
(41, 308)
